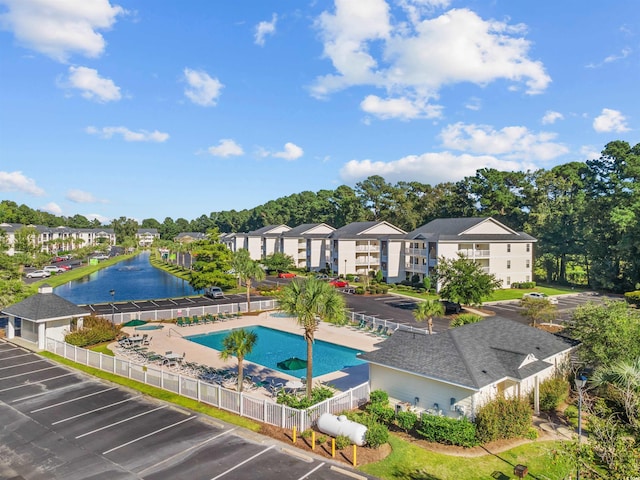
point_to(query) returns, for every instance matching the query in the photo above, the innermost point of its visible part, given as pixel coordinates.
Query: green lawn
(410, 462)
(517, 293)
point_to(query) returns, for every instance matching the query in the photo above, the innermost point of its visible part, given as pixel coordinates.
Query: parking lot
(61, 424)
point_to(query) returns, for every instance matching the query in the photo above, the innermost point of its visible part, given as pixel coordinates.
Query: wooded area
(585, 215)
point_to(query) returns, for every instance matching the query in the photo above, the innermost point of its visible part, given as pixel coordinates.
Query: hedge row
(633, 298)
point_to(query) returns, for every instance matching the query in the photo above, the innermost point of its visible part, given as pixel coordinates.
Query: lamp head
(580, 381)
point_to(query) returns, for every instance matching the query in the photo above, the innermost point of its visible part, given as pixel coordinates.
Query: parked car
(53, 269)
(38, 274)
(451, 307)
(213, 292)
(102, 256)
(57, 259)
(286, 275)
(65, 267)
(541, 296)
(339, 283)
(322, 276)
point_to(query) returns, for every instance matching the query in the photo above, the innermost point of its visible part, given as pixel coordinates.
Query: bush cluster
(503, 418)
(95, 330)
(447, 430)
(464, 319)
(318, 394)
(374, 289)
(553, 392)
(524, 285)
(633, 298)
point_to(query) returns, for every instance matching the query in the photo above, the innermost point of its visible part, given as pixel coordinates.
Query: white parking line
(28, 383)
(95, 410)
(121, 421)
(73, 399)
(148, 435)
(15, 356)
(310, 472)
(32, 371)
(242, 463)
(184, 452)
(21, 364)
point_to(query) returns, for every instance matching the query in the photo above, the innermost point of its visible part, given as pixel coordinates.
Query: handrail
(174, 330)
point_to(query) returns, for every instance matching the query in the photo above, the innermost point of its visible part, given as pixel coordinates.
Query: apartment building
(498, 249)
(308, 244)
(54, 239)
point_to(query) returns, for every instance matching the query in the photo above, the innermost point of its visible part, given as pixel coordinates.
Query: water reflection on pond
(131, 279)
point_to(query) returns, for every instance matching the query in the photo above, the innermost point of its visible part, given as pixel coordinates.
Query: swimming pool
(151, 326)
(274, 346)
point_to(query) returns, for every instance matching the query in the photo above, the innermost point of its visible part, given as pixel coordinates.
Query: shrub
(376, 435)
(406, 420)
(447, 430)
(95, 330)
(379, 396)
(571, 414)
(524, 285)
(306, 434)
(380, 412)
(553, 392)
(318, 394)
(532, 434)
(633, 298)
(342, 441)
(464, 319)
(321, 439)
(359, 290)
(503, 418)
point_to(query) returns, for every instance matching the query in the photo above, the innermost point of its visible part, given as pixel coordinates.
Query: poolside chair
(187, 322)
(378, 331)
(195, 320)
(180, 322)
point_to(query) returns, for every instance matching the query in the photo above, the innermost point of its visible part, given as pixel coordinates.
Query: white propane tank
(339, 425)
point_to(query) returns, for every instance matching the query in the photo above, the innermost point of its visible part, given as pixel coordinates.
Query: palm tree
(427, 310)
(312, 301)
(238, 343)
(623, 378)
(247, 270)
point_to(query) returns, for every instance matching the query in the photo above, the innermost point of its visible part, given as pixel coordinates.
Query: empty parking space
(59, 423)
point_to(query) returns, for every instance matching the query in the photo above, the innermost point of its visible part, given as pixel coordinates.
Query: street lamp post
(345, 268)
(113, 307)
(580, 382)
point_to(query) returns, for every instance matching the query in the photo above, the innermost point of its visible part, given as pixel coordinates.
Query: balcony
(417, 252)
(473, 253)
(367, 248)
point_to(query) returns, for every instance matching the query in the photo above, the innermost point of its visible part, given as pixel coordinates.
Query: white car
(38, 274)
(53, 269)
(541, 296)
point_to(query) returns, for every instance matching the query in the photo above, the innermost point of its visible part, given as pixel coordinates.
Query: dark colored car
(451, 307)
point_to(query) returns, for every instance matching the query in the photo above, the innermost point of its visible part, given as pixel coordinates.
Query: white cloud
(96, 216)
(265, 28)
(610, 121)
(128, 135)
(52, 207)
(291, 152)
(612, 58)
(510, 142)
(203, 90)
(431, 168)
(17, 182)
(79, 196)
(226, 148)
(60, 28)
(589, 152)
(402, 108)
(550, 117)
(92, 86)
(474, 103)
(416, 60)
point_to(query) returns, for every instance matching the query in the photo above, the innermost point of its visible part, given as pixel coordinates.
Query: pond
(131, 279)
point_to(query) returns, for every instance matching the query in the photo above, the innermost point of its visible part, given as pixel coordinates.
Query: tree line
(585, 215)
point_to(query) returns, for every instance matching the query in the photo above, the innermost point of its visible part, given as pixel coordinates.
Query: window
(527, 278)
(508, 248)
(528, 264)
(508, 264)
(508, 280)
(528, 247)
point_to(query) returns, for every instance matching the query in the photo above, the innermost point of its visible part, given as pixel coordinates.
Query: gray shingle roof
(301, 230)
(474, 355)
(355, 229)
(443, 229)
(266, 230)
(44, 306)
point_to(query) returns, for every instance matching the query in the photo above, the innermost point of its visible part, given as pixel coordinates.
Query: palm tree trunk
(430, 325)
(248, 282)
(240, 373)
(309, 366)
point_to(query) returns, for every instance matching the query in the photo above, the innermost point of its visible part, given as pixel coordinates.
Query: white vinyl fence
(243, 404)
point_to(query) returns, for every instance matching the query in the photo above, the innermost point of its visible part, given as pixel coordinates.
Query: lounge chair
(180, 322)
(195, 320)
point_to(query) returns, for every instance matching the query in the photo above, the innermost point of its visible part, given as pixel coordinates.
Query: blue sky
(170, 108)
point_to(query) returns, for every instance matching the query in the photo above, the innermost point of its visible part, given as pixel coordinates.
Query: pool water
(149, 327)
(274, 346)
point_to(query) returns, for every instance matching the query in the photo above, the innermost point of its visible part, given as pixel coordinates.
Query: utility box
(520, 471)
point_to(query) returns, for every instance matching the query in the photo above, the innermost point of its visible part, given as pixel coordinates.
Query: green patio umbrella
(293, 363)
(134, 323)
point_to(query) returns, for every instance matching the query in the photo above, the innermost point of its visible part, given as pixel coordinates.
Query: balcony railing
(367, 248)
(418, 252)
(473, 253)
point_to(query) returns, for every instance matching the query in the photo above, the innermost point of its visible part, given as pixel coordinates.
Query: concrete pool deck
(170, 338)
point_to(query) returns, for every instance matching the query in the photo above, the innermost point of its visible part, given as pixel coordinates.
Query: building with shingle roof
(498, 249)
(41, 316)
(458, 371)
(308, 245)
